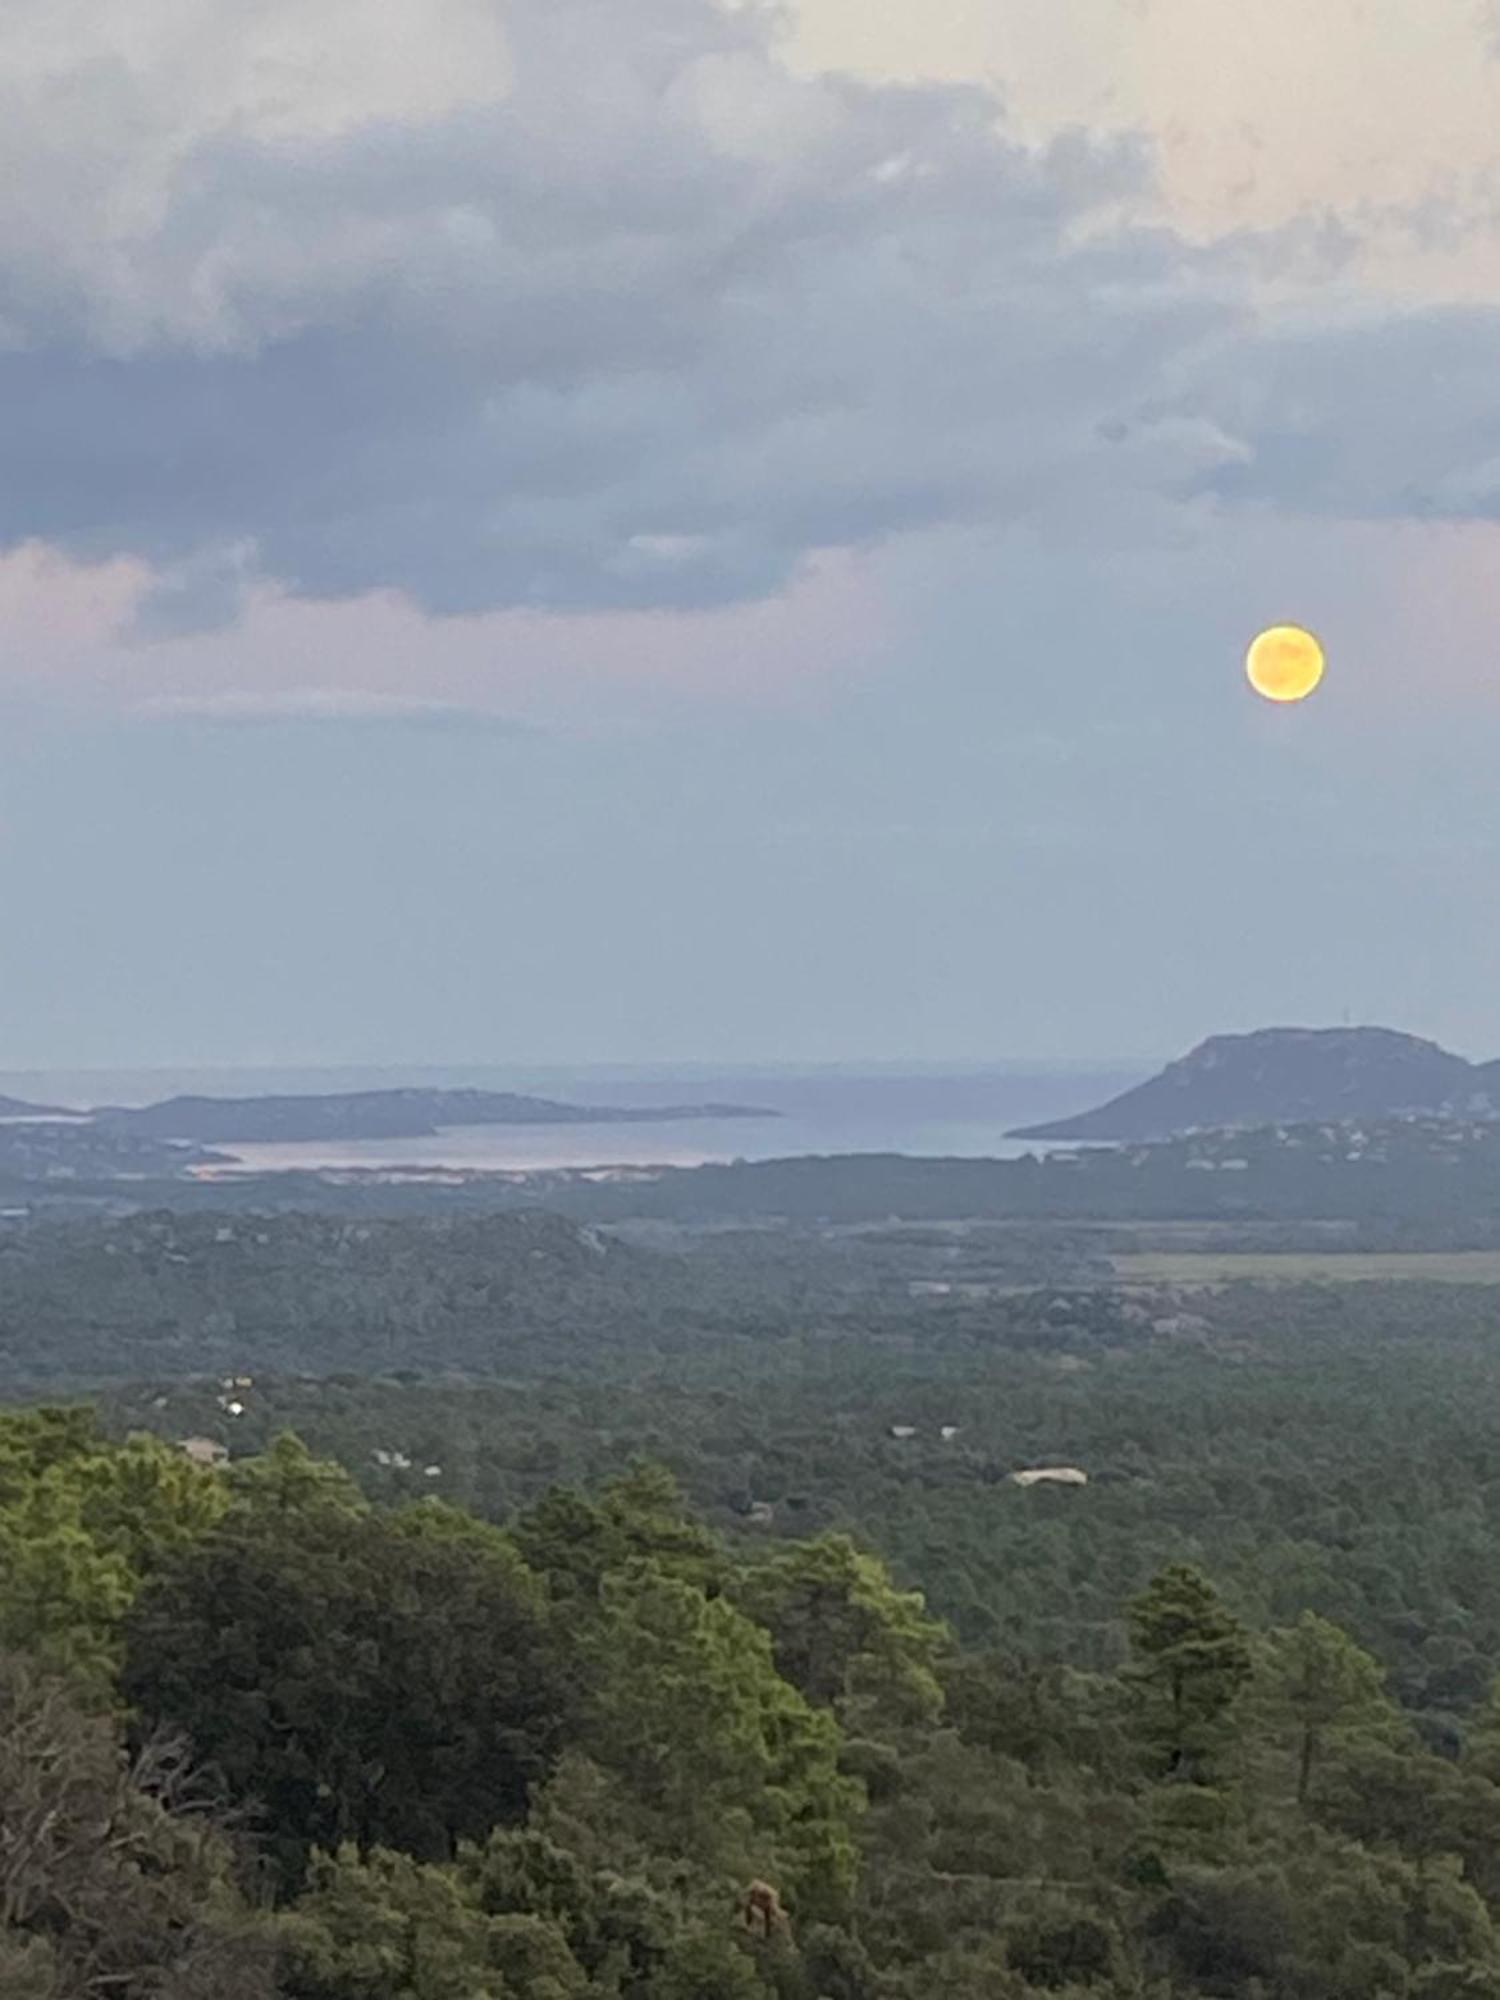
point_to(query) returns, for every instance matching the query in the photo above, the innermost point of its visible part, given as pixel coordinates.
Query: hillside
(1282, 1076)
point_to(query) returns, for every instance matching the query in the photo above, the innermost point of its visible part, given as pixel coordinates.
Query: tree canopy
(313, 1747)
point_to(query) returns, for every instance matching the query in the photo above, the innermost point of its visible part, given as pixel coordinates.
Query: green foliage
(706, 1964)
(287, 1483)
(517, 1919)
(82, 1523)
(689, 1711)
(1316, 1692)
(1323, 1921)
(1311, 1447)
(842, 1630)
(618, 1928)
(577, 1542)
(358, 1676)
(1059, 1947)
(613, 1755)
(387, 1928)
(1190, 1657)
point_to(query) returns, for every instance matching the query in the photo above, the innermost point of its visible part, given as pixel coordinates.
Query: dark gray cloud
(645, 331)
(1395, 417)
(647, 328)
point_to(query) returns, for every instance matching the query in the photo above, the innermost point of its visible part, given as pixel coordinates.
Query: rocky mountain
(1290, 1076)
(375, 1114)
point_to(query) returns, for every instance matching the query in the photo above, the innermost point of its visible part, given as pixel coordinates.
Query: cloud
(615, 312)
(646, 329)
(1389, 418)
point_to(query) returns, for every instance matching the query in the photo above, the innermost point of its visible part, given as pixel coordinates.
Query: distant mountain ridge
(415, 1113)
(1278, 1076)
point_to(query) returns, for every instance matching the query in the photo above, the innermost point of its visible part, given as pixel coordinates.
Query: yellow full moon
(1284, 663)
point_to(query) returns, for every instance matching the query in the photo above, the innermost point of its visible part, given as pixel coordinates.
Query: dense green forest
(652, 1614)
(87, 1300)
(94, 1298)
(1319, 1447)
(1314, 1446)
(262, 1737)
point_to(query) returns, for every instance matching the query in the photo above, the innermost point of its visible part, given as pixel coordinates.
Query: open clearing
(1297, 1267)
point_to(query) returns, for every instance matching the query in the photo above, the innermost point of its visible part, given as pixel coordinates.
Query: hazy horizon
(129, 1082)
(105, 1082)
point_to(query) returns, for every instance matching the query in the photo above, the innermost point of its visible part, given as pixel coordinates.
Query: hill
(1290, 1076)
(376, 1114)
(17, 1107)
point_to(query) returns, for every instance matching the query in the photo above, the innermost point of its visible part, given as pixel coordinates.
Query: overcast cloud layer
(534, 530)
(619, 312)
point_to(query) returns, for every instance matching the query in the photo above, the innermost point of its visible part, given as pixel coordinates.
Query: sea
(934, 1112)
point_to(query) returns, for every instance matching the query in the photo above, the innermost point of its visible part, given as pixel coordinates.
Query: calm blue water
(821, 1111)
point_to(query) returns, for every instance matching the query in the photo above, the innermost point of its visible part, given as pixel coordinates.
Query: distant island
(1280, 1076)
(375, 1114)
(44, 1142)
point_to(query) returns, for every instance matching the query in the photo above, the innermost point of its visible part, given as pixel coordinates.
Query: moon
(1284, 663)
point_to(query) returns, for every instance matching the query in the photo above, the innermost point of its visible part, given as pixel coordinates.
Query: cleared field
(1296, 1267)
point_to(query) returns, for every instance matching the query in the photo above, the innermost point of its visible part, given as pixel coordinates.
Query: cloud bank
(576, 306)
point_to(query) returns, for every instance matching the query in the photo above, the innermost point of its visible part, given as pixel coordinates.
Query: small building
(204, 1451)
(760, 1514)
(1051, 1475)
(903, 1431)
(948, 1432)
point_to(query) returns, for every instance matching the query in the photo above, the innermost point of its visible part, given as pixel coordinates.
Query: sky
(563, 531)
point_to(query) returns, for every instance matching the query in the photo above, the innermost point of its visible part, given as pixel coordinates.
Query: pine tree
(1315, 1688)
(1190, 1658)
